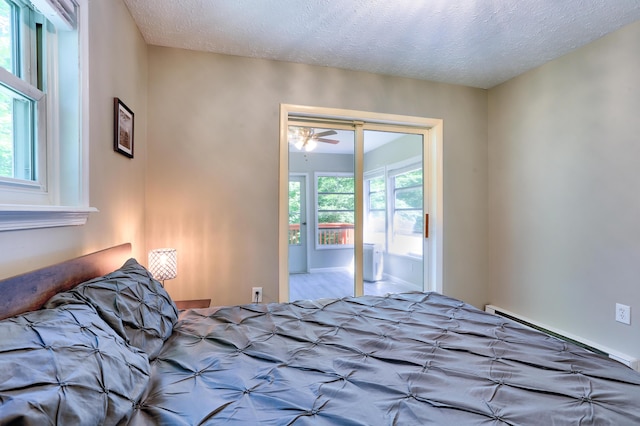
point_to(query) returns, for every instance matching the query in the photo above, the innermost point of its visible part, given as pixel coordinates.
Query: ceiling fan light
(293, 135)
(299, 143)
(310, 145)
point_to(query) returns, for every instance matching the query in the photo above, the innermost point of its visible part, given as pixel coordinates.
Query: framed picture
(123, 129)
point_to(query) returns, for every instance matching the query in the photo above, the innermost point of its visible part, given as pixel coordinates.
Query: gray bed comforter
(406, 359)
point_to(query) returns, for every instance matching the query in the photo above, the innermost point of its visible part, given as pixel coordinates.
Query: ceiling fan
(306, 138)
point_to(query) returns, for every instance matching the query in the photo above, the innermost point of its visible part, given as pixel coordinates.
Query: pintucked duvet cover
(404, 359)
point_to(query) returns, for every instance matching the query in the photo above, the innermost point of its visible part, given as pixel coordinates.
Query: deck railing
(328, 234)
(294, 233)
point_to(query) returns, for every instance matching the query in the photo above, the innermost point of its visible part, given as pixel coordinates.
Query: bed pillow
(132, 302)
(67, 366)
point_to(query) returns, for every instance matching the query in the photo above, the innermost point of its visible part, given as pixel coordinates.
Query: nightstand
(192, 304)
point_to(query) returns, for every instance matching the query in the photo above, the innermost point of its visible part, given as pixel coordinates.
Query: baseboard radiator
(593, 347)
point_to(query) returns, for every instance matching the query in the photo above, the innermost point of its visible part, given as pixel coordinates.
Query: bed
(111, 348)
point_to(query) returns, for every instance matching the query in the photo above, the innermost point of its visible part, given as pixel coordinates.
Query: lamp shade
(163, 263)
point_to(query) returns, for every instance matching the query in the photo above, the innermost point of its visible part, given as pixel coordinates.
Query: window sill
(15, 217)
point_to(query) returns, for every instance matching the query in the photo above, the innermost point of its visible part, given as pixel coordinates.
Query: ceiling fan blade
(326, 133)
(333, 141)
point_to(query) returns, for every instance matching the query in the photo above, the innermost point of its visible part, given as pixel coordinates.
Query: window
(395, 222)
(21, 95)
(375, 227)
(41, 165)
(406, 211)
(335, 206)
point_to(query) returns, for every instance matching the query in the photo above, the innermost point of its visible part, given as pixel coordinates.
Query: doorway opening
(360, 203)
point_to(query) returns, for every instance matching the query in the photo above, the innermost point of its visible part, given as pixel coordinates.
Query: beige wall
(564, 191)
(213, 165)
(118, 68)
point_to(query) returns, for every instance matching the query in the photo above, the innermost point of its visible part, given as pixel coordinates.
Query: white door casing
(432, 131)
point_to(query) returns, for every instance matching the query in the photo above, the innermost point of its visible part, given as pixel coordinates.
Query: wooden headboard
(31, 290)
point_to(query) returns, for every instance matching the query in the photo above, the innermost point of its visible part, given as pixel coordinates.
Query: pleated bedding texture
(404, 359)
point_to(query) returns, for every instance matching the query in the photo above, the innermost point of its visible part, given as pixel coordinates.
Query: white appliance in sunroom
(372, 262)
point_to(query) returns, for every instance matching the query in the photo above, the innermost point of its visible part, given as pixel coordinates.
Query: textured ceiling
(477, 43)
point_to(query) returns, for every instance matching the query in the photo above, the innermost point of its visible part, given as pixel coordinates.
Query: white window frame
(22, 80)
(319, 246)
(57, 199)
(392, 171)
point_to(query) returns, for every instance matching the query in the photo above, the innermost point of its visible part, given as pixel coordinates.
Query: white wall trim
(625, 359)
(16, 217)
(389, 277)
(431, 127)
(330, 269)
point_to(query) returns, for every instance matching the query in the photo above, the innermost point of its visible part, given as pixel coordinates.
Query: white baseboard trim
(399, 280)
(332, 269)
(625, 359)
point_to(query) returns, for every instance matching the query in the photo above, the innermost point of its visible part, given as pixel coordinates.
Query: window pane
(409, 198)
(377, 184)
(335, 217)
(407, 222)
(294, 202)
(407, 230)
(335, 228)
(376, 193)
(344, 185)
(376, 221)
(336, 202)
(6, 134)
(411, 178)
(294, 213)
(376, 201)
(16, 137)
(407, 225)
(6, 36)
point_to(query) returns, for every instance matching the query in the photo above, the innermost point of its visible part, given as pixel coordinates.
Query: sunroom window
(395, 222)
(406, 224)
(335, 204)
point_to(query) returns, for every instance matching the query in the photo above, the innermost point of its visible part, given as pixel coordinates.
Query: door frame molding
(434, 129)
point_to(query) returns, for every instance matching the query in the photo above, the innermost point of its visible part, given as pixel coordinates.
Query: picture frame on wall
(123, 128)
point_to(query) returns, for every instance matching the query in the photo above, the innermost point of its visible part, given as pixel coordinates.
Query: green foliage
(336, 201)
(336, 184)
(294, 202)
(410, 198)
(407, 179)
(377, 201)
(377, 184)
(336, 217)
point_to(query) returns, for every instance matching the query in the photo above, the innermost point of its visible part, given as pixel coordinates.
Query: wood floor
(320, 285)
